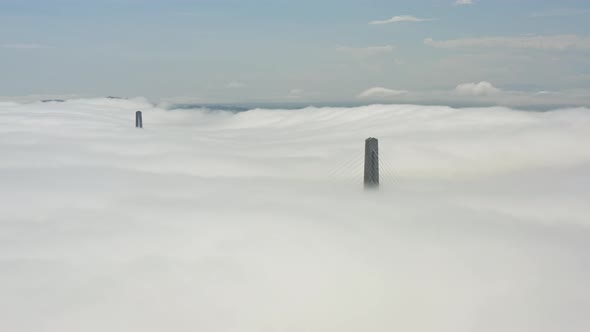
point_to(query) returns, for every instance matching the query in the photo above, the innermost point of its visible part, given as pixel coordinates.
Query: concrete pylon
(138, 120)
(372, 163)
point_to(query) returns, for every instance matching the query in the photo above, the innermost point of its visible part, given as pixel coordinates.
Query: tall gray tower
(372, 163)
(138, 120)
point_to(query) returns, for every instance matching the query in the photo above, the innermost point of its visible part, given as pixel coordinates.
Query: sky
(445, 51)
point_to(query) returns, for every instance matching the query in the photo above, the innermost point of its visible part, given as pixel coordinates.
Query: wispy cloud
(367, 51)
(558, 42)
(481, 93)
(380, 92)
(561, 12)
(23, 46)
(464, 2)
(235, 85)
(403, 18)
(296, 93)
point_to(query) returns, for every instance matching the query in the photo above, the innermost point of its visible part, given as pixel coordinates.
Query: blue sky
(263, 50)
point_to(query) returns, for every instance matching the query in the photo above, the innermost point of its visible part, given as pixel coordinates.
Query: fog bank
(257, 221)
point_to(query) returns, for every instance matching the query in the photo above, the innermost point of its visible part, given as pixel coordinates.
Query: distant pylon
(372, 163)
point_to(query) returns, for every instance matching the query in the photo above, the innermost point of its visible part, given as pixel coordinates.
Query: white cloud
(555, 42)
(380, 92)
(403, 18)
(463, 2)
(477, 89)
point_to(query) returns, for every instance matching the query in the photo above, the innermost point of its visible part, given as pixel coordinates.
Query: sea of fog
(257, 221)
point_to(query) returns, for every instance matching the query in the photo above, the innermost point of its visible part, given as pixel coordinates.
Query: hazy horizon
(180, 104)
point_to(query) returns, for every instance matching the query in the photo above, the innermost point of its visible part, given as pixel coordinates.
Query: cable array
(351, 170)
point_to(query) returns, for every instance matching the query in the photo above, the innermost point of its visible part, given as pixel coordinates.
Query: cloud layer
(256, 221)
